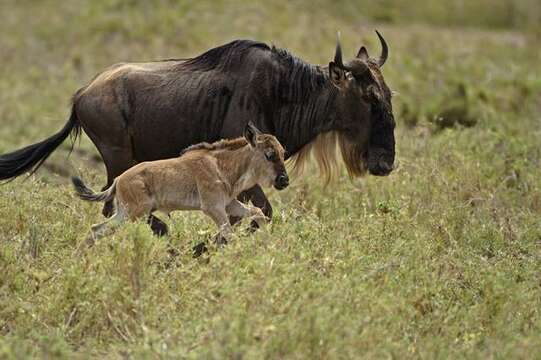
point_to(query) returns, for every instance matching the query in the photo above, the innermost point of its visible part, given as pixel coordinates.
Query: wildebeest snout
(384, 167)
(380, 162)
(281, 181)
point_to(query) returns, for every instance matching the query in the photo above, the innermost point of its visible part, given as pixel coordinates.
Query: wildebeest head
(269, 158)
(365, 116)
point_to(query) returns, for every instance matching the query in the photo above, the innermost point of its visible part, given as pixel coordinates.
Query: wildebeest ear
(362, 54)
(337, 75)
(250, 133)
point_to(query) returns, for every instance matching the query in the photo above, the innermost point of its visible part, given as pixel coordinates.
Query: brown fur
(206, 177)
(147, 111)
(218, 145)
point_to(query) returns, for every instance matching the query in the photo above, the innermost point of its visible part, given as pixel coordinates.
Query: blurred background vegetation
(437, 57)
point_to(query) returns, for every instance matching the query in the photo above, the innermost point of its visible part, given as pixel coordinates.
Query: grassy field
(441, 259)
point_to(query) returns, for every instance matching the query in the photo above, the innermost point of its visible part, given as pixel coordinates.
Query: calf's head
(268, 160)
(364, 112)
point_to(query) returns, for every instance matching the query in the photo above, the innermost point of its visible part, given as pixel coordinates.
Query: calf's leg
(104, 228)
(117, 160)
(258, 198)
(240, 210)
(101, 229)
(218, 214)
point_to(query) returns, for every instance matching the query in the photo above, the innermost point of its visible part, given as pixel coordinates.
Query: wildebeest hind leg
(108, 207)
(116, 160)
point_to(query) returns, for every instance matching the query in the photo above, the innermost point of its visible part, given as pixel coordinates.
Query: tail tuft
(31, 157)
(83, 191)
(86, 193)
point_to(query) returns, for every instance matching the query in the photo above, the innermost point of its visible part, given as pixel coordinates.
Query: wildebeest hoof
(159, 228)
(199, 249)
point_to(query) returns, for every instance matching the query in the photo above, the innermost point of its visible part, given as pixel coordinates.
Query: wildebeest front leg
(258, 198)
(159, 228)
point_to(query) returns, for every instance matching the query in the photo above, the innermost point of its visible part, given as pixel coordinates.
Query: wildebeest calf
(206, 177)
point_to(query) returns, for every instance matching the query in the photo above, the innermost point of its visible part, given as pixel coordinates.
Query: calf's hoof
(234, 220)
(219, 240)
(253, 226)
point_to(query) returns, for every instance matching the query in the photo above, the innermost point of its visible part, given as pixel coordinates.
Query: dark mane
(225, 144)
(307, 90)
(304, 75)
(298, 96)
(312, 97)
(224, 56)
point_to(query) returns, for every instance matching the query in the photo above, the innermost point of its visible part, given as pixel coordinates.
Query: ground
(440, 259)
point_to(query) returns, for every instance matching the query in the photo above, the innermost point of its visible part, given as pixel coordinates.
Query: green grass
(441, 259)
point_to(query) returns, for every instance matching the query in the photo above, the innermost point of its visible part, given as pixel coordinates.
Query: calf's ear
(250, 133)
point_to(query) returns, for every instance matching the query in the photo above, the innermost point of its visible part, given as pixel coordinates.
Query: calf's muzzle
(281, 181)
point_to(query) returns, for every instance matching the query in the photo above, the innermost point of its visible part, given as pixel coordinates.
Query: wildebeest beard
(325, 151)
(358, 155)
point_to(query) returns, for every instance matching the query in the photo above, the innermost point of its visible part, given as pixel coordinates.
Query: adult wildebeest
(137, 112)
(206, 177)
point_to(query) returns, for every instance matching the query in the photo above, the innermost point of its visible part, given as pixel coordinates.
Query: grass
(441, 259)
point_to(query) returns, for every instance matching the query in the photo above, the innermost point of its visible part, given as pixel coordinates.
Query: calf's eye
(271, 156)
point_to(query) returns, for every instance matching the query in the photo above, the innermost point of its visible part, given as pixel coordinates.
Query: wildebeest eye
(373, 92)
(271, 156)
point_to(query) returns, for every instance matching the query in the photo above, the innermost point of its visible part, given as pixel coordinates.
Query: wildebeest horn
(338, 53)
(384, 50)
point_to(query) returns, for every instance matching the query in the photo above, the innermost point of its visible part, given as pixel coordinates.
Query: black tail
(86, 193)
(30, 158)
